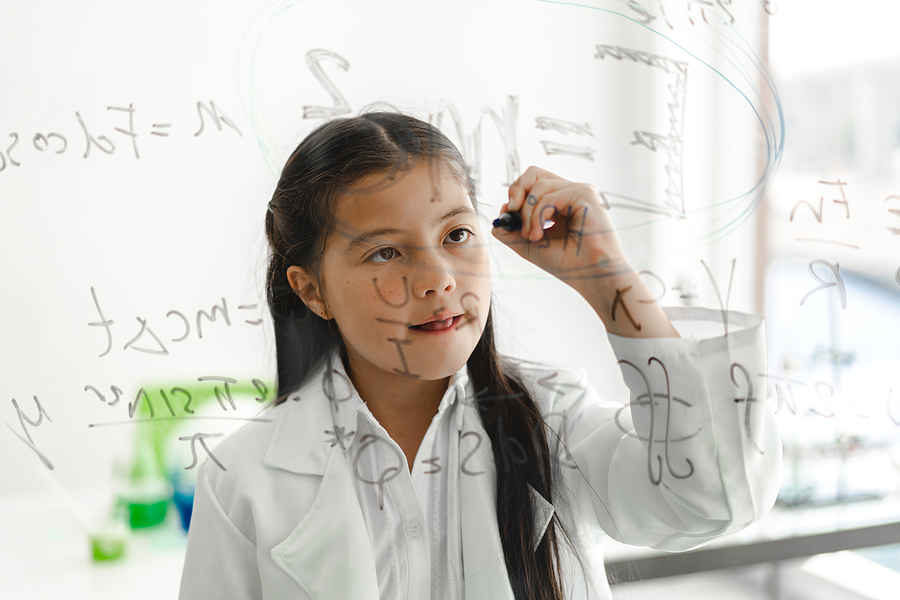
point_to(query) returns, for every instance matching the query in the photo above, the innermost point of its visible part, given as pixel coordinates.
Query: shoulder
(244, 448)
(249, 468)
(235, 464)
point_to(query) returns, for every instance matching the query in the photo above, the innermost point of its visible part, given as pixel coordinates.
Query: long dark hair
(300, 217)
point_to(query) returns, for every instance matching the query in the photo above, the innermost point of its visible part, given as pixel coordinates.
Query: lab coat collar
(307, 415)
(348, 408)
(304, 417)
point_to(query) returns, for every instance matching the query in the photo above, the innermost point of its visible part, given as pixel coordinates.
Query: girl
(404, 458)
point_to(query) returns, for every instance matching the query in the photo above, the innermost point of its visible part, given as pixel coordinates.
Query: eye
(458, 236)
(384, 255)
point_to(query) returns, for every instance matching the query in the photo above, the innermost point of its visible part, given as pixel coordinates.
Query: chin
(434, 367)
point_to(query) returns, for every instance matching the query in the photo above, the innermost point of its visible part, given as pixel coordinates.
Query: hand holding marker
(563, 228)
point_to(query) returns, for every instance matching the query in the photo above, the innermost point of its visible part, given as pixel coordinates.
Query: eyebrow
(366, 236)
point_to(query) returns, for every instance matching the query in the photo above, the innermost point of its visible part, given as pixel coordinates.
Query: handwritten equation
(470, 139)
(171, 403)
(148, 342)
(690, 10)
(176, 403)
(828, 273)
(57, 143)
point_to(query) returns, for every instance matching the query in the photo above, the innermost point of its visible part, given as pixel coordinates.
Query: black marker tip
(510, 221)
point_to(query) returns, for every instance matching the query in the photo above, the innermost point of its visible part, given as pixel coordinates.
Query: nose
(431, 276)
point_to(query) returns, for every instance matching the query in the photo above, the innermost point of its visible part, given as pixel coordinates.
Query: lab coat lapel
(483, 563)
(329, 553)
(298, 442)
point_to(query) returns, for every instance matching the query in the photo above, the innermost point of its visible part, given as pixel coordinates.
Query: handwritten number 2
(313, 58)
(471, 452)
(819, 385)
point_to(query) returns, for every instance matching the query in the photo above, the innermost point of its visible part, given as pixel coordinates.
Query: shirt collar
(347, 407)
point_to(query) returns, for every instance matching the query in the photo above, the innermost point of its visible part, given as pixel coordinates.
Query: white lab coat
(283, 522)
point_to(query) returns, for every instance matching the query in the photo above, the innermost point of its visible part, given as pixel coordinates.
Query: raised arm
(583, 250)
(697, 455)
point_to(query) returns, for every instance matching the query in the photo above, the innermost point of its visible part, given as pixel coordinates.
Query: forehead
(420, 195)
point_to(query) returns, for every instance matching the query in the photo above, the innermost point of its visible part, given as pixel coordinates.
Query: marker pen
(510, 221)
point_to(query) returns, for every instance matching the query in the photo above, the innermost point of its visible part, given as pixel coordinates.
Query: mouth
(437, 324)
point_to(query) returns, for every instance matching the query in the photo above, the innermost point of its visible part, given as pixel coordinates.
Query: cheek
(391, 291)
(359, 303)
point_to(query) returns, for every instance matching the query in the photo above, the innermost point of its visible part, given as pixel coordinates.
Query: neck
(403, 406)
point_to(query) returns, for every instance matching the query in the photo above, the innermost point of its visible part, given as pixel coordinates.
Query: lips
(437, 323)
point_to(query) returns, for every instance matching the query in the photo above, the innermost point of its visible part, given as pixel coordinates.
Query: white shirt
(412, 517)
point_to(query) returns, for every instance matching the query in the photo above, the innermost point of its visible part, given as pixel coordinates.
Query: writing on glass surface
(58, 143)
(145, 338)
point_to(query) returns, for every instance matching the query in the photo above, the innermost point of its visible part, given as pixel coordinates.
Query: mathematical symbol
(249, 307)
(217, 118)
(838, 281)
(562, 126)
(219, 394)
(199, 437)
(619, 301)
(405, 372)
(92, 141)
(22, 420)
(104, 322)
(130, 131)
(114, 389)
(749, 399)
(162, 349)
(895, 212)
(161, 133)
(557, 148)
(434, 462)
(338, 436)
(565, 127)
(843, 200)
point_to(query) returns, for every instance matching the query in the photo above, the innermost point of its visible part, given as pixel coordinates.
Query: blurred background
(749, 152)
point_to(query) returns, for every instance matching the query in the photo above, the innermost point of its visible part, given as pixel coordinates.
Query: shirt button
(413, 529)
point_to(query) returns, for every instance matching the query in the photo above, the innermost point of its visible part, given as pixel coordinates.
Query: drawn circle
(714, 44)
(368, 441)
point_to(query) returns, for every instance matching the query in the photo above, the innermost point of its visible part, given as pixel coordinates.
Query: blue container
(185, 505)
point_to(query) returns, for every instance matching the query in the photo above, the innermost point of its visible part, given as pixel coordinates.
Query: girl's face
(406, 275)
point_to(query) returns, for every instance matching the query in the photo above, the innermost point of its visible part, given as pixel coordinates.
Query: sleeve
(697, 455)
(220, 561)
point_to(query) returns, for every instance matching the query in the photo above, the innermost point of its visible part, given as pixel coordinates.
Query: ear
(306, 286)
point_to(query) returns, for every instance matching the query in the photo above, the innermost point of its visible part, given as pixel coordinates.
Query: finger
(561, 206)
(532, 213)
(519, 189)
